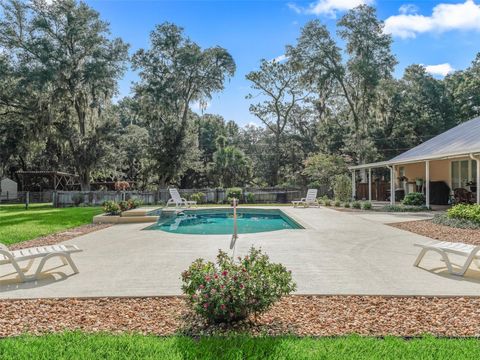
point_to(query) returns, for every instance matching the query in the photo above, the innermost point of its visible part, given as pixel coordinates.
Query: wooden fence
(211, 196)
(380, 190)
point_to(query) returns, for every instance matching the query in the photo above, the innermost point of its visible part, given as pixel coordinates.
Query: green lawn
(103, 346)
(18, 224)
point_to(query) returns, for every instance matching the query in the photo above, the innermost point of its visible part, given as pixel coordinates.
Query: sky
(441, 35)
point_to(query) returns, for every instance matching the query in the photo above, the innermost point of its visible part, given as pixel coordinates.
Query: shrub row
(114, 208)
(365, 205)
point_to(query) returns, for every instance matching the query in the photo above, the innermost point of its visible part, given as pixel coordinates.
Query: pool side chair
(444, 248)
(44, 253)
(178, 201)
(310, 199)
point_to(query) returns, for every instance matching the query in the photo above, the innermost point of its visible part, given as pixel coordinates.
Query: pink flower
(215, 276)
(213, 291)
(205, 305)
(225, 273)
(235, 278)
(201, 286)
(222, 306)
(207, 278)
(241, 286)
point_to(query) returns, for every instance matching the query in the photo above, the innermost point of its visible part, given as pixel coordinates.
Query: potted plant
(472, 185)
(419, 181)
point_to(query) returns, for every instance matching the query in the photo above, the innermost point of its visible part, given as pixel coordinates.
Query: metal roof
(459, 141)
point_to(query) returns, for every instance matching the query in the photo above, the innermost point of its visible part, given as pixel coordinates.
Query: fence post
(27, 199)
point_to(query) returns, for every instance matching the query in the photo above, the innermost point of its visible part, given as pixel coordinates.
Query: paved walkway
(337, 253)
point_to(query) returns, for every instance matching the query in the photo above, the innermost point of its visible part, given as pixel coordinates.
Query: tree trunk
(84, 180)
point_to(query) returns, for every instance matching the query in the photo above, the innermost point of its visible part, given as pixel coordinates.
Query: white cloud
(327, 7)
(408, 9)
(440, 69)
(280, 58)
(445, 17)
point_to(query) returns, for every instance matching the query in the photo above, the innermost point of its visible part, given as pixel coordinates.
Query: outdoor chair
(462, 196)
(31, 254)
(177, 200)
(310, 199)
(444, 248)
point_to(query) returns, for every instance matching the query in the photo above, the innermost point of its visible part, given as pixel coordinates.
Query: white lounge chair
(177, 200)
(42, 252)
(444, 248)
(310, 199)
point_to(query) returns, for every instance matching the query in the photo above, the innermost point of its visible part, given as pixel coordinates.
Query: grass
(18, 224)
(77, 345)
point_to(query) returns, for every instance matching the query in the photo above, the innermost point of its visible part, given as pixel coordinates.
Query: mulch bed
(441, 232)
(56, 238)
(298, 315)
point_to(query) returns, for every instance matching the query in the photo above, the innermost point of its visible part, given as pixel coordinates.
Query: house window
(462, 172)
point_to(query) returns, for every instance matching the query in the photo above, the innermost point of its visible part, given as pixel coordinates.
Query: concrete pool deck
(338, 253)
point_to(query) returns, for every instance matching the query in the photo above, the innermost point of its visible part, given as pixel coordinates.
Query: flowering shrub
(121, 185)
(232, 290)
(111, 208)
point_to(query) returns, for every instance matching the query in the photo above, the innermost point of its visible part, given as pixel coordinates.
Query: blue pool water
(220, 221)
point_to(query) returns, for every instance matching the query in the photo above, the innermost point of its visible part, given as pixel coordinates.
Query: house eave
(414, 160)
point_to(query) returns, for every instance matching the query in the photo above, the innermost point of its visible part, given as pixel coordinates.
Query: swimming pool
(220, 221)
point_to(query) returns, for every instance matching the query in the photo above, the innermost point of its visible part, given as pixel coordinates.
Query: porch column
(392, 185)
(478, 181)
(354, 186)
(427, 183)
(369, 184)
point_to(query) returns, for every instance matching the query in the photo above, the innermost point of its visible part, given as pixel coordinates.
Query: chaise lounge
(177, 200)
(42, 252)
(444, 248)
(310, 199)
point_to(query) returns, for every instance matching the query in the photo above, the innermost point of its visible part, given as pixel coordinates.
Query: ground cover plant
(367, 205)
(404, 208)
(18, 224)
(79, 345)
(444, 219)
(231, 290)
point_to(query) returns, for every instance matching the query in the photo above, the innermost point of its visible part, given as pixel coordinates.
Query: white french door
(462, 172)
